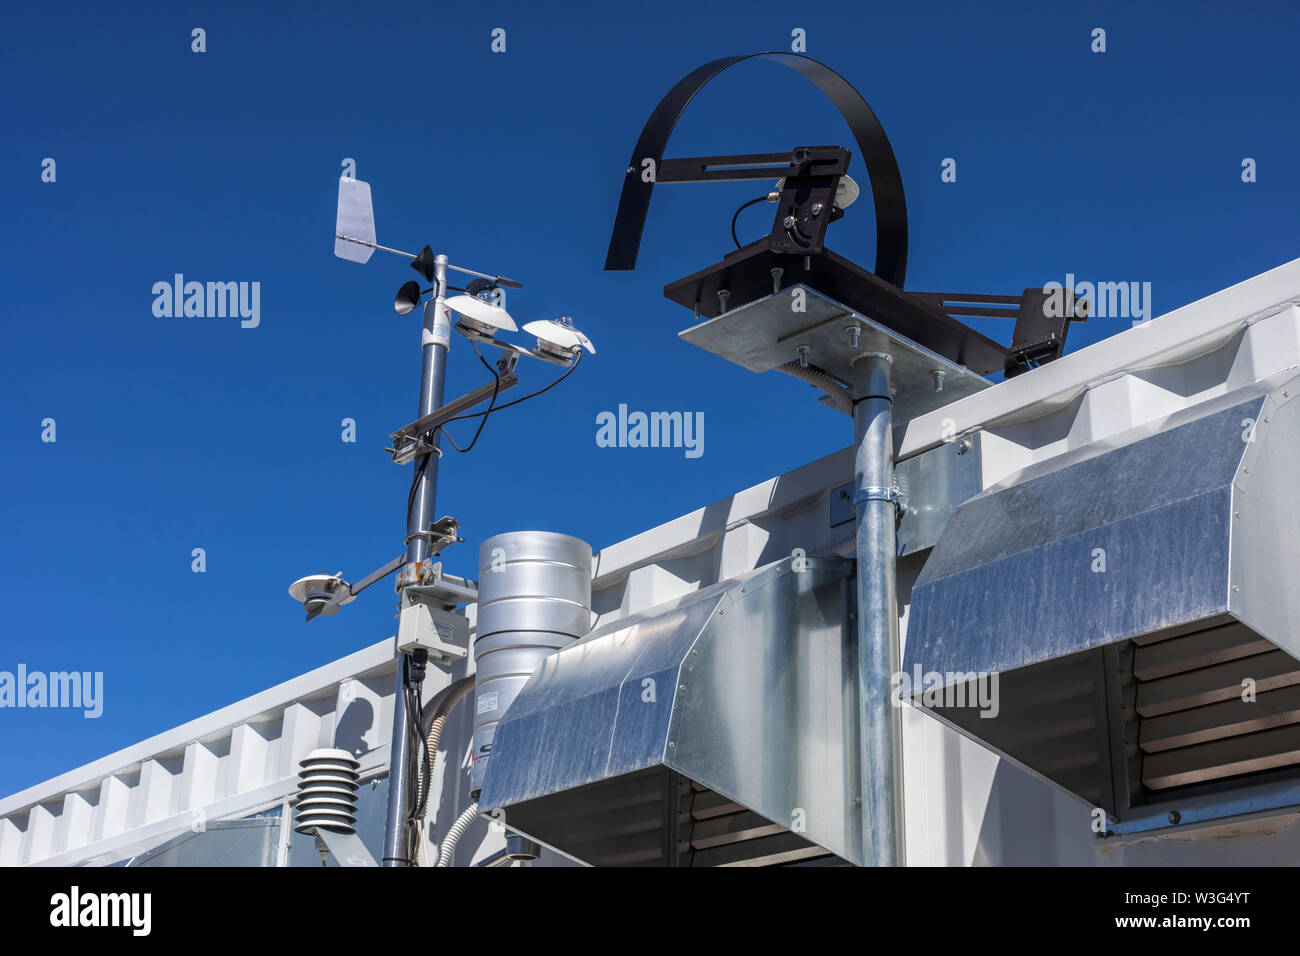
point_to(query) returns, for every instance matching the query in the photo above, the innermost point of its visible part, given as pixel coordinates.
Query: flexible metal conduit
(455, 833)
(840, 399)
(434, 718)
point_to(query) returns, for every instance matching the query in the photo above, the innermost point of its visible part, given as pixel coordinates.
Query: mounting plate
(766, 333)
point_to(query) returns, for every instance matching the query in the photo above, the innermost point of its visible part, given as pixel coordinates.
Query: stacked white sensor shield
(327, 792)
(534, 597)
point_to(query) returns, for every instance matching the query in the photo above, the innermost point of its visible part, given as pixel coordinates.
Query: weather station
(430, 628)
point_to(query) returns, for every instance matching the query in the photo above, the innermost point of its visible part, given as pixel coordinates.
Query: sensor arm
(352, 590)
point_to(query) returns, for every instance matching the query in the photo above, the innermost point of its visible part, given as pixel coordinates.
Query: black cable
(496, 390)
(547, 388)
(737, 216)
(415, 483)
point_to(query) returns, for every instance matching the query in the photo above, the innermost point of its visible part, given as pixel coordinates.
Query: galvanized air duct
(1123, 619)
(534, 597)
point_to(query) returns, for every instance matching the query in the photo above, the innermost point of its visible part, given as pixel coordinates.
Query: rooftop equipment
(718, 729)
(534, 598)
(1146, 655)
(785, 302)
(326, 806)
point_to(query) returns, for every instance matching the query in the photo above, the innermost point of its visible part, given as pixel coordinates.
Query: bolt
(788, 222)
(853, 333)
(777, 271)
(723, 296)
(938, 375)
(802, 352)
(1174, 816)
(817, 208)
(964, 446)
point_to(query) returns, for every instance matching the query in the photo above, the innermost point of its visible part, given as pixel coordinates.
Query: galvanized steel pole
(874, 499)
(435, 338)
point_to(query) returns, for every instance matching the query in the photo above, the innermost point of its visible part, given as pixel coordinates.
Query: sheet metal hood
(1122, 596)
(718, 728)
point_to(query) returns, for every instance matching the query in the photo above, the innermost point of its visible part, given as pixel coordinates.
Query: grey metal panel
(1266, 524)
(741, 687)
(568, 726)
(764, 334)
(931, 485)
(764, 713)
(1018, 559)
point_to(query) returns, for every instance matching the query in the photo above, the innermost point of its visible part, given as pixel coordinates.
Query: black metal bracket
(806, 203)
(795, 252)
(1039, 334)
(647, 163)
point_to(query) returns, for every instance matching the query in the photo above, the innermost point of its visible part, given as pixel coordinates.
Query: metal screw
(817, 208)
(802, 352)
(963, 446)
(1175, 816)
(723, 296)
(853, 333)
(938, 375)
(1235, 588)
(788, 222)
(777, 272)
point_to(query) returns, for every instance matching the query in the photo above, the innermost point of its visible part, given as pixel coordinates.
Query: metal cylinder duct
(534, 597)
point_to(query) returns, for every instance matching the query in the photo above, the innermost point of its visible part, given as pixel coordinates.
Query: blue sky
(183, 433)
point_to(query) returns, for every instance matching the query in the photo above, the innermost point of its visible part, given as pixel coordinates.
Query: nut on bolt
(853, 331)
(802, 352)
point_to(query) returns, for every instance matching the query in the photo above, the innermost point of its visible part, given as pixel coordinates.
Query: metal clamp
(875, 493)
(441, 534)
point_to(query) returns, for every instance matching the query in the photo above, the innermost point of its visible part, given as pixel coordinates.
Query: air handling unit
(1136, 602)
(717, 729)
